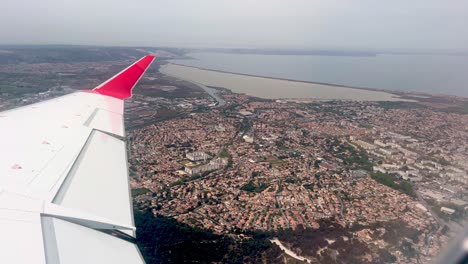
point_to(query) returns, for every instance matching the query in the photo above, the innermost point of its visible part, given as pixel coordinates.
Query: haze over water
(434, 74)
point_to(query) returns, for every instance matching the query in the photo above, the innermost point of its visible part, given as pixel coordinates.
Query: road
(288, 251)
(428, 207)
(342, 206)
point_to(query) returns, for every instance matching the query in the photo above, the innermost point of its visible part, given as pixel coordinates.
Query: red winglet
(121, 85)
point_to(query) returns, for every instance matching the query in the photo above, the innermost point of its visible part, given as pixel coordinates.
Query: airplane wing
(64, 190)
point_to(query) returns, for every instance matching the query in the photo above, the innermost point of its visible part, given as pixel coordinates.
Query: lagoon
(270, 88)
(426, 73)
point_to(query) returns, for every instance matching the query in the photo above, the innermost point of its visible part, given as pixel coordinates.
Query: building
(214, 164)
(380, 143)
(198, 156)
(245, 113)
(364, 145)
(359, 173)
(457, 175)
(248, 139)
(447, 210)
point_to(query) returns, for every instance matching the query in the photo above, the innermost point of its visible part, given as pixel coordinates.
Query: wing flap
(72, 243)
(98, 181)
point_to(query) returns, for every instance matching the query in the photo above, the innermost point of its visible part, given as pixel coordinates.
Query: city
(290, 165)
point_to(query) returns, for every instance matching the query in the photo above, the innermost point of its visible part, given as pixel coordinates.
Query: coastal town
(272, 165)
(390, 176)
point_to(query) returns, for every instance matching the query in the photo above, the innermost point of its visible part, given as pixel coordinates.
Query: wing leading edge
(64, 177)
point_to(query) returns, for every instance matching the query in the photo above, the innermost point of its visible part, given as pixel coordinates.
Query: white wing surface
(64, 192)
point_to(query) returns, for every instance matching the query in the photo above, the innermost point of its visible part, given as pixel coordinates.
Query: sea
(426, 73)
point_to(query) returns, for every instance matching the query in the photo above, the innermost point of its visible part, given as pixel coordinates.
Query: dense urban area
(272, 181)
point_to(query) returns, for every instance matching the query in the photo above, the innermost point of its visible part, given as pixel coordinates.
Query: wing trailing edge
(120, 86)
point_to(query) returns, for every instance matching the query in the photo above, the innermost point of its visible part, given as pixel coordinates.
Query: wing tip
(121, 85)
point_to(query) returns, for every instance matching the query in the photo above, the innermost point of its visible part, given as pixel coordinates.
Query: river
(212, 92)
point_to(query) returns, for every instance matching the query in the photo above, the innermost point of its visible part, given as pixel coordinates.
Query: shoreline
(277, 88)
(397, 93)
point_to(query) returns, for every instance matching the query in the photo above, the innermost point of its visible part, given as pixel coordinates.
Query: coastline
(397, 93)
(277, 88)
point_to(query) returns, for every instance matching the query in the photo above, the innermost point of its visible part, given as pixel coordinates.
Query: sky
(330, 24)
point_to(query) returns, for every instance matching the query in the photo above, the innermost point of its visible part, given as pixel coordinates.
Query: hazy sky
(395, 24)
